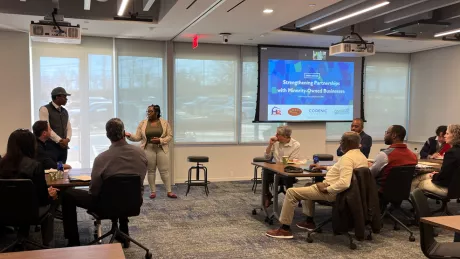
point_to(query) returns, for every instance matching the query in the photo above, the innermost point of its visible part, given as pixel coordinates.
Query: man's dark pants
(73, 198)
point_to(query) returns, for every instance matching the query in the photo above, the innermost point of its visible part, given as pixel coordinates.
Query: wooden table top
(279, 168)
(112, 251)
(446, 222)
(435, 161)
(65, 182)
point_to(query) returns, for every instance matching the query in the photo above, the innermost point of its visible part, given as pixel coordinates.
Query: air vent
(73, 33)
(37, 30)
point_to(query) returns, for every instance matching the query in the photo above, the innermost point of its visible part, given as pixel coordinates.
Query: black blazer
(429, 148)
(450, 166)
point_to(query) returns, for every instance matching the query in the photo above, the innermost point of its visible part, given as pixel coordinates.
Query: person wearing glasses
(58, 118)
(19, 163)
(155, 133)
(279, 145)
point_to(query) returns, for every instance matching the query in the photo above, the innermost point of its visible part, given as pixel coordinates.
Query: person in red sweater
(397, 154)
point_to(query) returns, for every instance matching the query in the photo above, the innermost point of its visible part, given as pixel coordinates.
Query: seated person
(120, 158)
(397, 154)
(366, 141)
(280, 145)
(436, 146)
(338, 179)
(42, 132)
(19, 163)
(438, 182)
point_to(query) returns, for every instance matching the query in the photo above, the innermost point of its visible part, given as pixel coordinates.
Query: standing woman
(154, 133)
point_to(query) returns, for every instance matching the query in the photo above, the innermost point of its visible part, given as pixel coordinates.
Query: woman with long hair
(155, 133)
(19, 163)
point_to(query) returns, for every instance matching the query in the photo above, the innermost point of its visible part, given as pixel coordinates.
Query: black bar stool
(199, 166)
(256, 180)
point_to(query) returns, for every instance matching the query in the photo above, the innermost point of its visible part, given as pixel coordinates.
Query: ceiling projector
(352, 46)
(54, 29)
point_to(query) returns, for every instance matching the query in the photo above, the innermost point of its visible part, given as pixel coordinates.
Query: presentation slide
(304, 84)
(308, 90)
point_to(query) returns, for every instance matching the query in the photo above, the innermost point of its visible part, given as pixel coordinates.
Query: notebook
(82, 178)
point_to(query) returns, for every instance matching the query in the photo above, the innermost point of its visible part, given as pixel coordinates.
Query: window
(252, 132)
(86, 72)
(386, 84)
(140, 80)
(206, 82)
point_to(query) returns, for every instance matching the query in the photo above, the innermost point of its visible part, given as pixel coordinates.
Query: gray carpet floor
(222, 226)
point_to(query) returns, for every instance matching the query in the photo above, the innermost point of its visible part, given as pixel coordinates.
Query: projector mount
(355, 38)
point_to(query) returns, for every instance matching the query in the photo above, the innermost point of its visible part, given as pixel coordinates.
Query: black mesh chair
(120, 197)
(453, 192)
(256, 180)
(319, 226)
(19, 203)
(430, 247)
(323, 157)
(396, 190)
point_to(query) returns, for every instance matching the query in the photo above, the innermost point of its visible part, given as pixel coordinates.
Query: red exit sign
(195, 42)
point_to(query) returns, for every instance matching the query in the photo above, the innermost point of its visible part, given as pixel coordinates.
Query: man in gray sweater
(120, 158)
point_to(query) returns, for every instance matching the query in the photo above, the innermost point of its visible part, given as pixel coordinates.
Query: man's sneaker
(310, 226)
(279, 233)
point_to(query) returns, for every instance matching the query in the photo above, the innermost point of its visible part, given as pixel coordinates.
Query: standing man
(58, 118)
(366, 141)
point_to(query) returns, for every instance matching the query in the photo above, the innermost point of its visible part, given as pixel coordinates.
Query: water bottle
(60, 169)
(315, 159)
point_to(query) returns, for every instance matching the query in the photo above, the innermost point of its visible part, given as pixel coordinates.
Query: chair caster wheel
(412, 238)
(369, 237)
(148, 255)
(254, 212)
(353, 246)
(270, 222)
(309, 240)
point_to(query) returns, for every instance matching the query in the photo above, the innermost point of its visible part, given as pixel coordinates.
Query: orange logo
(295, 111)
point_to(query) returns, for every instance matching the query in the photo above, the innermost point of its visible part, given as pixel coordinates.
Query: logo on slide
(317, 111)
(342, 111)
(276, 111)
(295, 111)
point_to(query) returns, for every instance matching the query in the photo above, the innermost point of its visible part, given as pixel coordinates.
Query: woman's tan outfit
(157, 154)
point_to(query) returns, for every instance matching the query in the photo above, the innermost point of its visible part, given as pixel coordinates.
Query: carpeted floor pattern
(222, 226)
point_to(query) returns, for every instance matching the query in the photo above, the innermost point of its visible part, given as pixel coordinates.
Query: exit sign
(195, 42)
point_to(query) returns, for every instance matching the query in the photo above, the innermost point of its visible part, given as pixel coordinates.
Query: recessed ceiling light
(262, 35)
(250, 39)
(268, 10)
(312, 5)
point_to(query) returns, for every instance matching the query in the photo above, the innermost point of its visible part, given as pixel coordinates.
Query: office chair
(453, 192)
(342, 229)
(396, 190)
(19, 203)
(430, 247)
(120, 197)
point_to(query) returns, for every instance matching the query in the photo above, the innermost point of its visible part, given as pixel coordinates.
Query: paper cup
(285, 160)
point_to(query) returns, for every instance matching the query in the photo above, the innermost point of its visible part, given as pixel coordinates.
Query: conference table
(446, 222)
(65, 182)
(278, 170)
(431, 165)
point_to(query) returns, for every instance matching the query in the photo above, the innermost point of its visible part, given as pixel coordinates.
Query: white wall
(233, 162)
(15, 86)
(435, 91)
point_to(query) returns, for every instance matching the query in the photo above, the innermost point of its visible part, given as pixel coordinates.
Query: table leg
(264, 184)
(276, 210)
